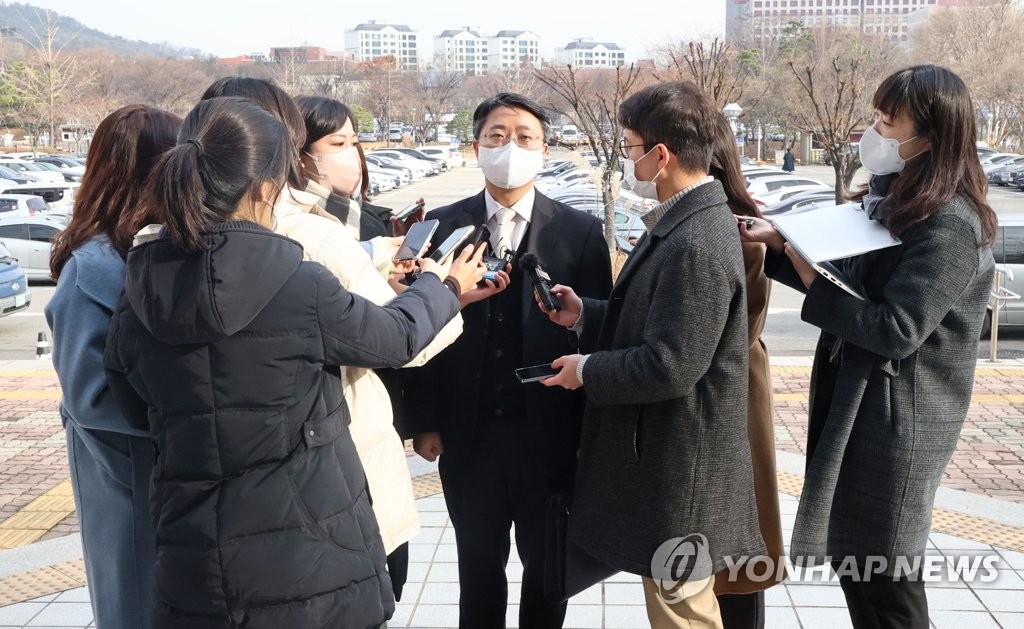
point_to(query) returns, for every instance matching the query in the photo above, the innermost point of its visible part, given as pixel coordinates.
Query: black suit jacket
(444, 395)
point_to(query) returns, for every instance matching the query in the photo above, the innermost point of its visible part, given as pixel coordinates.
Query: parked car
(442, 164)
(800, 201)
(12, 177)
(380, 182)
(14, 292)
(452, 156)
(408, 174)
(29, 240)
(565, 180)
(764, 199)
(555, 168)
(59, 196)
(762, 186)
(571, 136)
(70, 168)
(421, 168)
(367, 136)
(1008, 251)
(35, 170)
(1002, 174)
(21, 205)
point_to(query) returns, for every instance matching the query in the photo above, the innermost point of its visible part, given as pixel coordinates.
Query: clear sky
(234, 27)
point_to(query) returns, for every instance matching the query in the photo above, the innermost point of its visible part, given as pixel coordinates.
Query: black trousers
(488, 487)
(882, 603)
(742, 611)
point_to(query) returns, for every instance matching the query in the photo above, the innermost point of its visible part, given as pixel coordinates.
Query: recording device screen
(451, 243)
(535, 373)
(416, 240)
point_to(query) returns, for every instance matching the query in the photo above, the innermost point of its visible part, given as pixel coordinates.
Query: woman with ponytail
(110, 457)
(219, 347)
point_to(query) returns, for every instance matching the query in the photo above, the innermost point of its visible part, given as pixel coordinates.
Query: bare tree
(382, 76)
(592, 97)
(49, 77)
(982, 44)
(836, 72)
(718, 68)
(434, 90)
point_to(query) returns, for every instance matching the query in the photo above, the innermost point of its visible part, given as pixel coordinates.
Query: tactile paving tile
(943, 520)
(26, 586)
(426, 485)
(37, 517)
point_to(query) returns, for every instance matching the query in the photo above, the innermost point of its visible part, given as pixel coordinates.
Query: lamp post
(732, 112)
(758, 134)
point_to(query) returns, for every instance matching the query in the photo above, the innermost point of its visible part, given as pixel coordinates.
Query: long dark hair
(277, 102)
(227, 148)
(112, 199)
(939, 103)
(725, 167)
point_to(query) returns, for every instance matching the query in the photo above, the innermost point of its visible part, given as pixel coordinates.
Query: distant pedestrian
(788, 161)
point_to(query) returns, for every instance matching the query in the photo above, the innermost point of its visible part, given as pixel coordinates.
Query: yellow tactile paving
(37, 517)
(30, 395)
(979, 398)
(31, 372)
(943, 520)
(25, 586)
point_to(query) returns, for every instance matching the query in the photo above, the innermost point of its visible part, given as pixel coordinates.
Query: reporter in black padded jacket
(218, 348)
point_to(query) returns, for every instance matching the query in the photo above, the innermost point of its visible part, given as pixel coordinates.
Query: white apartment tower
(375, 39)
(889, 18)
(511, 49)
(586, 53)
(461, 50)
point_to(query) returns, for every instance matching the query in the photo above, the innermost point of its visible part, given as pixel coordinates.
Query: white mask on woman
(509, 166)
(339, 170)
(881, 156)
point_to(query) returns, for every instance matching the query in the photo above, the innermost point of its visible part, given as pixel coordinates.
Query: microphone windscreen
(529, 262)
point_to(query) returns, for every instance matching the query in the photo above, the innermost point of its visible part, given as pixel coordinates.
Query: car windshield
(7, 173)
(5, 255)
(38, 204)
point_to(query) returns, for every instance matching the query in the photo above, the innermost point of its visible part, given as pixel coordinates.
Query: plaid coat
(886, 412)
(664, 451)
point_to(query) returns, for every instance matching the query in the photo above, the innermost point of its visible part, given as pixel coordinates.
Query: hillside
(28, 19)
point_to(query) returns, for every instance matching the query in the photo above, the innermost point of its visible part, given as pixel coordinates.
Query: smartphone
(409, 210)
(416, 240)
(480, 234)
(451, 243)
(535, 373)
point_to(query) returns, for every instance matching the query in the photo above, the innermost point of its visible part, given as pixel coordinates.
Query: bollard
(42, 346)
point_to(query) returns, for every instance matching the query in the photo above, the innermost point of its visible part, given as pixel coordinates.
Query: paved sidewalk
(980, 511)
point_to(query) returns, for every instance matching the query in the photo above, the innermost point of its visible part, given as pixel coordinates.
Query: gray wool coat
(886, 412)
(664, 450)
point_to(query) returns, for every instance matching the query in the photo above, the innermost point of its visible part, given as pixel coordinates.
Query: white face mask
(509, 166)
(644, 189)
(881, 156)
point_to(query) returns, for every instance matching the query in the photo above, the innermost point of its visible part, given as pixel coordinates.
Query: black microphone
(541, 281)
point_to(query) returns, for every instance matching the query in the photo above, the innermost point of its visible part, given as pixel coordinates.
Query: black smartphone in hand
(535, 373)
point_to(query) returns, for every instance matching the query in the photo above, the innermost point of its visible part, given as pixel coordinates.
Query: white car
(450, 155)
(59, 196)
(764, 185)
(781, 194)
(568, 179)
(30, 240)
(34, 171)
(419, 168)
(22, 205)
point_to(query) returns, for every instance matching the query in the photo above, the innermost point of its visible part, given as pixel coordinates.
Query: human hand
(428, 445)
(468, 268)
(572, 306)
(805, 271)
(566, 378)
(401, 227)
(491, 287)
(759, 230)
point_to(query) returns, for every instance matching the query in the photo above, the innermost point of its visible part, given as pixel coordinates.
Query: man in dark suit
(505, 446)
(664, 457)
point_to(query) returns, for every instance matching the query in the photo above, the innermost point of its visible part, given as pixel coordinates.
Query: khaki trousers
(697, 611)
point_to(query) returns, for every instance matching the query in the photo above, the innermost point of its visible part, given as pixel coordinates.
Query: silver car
(1008, 251)
(29, 240)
